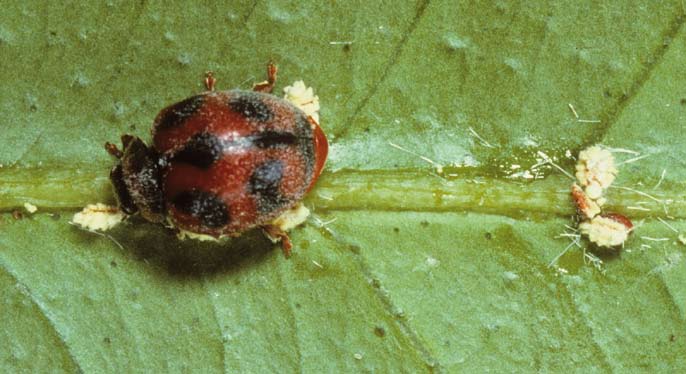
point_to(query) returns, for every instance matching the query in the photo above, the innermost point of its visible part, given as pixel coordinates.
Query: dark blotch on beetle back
(274, 139)
(252, 106)
(178, 113)
(205, 206)
(264, 183)
(201, 150)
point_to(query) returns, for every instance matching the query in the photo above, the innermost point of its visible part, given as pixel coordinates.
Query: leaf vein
(294, 321)
(598, 348)
(610, 117)
(250, 12)
(398, 50)
(566, 294)
(215, 315)
(29, 147)
(43, 310)
(388, 304)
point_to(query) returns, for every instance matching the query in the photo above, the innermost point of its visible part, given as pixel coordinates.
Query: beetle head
(137, 179)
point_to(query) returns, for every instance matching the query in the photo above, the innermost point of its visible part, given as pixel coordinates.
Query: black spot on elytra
(274, 139)
(205, 206)
(175, 115)
(251, 105)
(264, 183)
(201, 150)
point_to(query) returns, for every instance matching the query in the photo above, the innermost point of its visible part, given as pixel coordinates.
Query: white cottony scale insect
(595, 170)
(607, 230)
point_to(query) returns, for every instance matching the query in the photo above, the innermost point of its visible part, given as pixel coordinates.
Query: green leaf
(427, 249)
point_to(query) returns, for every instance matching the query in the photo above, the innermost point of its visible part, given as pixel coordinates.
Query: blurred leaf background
(389, 286)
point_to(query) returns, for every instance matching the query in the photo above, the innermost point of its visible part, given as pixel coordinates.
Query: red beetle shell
(235, 159)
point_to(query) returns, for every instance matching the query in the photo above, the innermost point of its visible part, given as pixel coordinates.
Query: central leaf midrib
(419, 190)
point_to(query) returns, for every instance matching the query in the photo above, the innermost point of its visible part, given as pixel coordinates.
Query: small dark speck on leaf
(355, 249)
(106, 340)
(55, 216)
(672, 338)
(113, 264)
(16, 214)
(683, 101)
(379, 331)
(347, 48)
(607, 93)
(298, 306)
(488, 236)
(376, 283)
(424, 223)
(132, 127)
(395, 229)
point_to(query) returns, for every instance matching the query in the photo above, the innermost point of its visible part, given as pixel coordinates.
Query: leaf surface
(401, 268)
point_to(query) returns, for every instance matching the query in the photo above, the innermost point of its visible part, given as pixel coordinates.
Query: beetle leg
(275, 234)
(268, 85)
(113, 150)
(210, 80)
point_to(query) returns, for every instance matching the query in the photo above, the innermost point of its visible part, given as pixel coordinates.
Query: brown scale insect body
(233, 160)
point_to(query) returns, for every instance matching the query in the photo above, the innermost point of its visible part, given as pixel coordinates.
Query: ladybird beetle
(221, 162)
